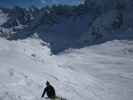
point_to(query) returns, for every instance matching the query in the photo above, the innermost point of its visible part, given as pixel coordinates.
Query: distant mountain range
(38, 3)
(66, 26)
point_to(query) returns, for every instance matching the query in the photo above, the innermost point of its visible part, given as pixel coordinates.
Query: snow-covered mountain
(115, 20)
(72, 26)
(101, 72)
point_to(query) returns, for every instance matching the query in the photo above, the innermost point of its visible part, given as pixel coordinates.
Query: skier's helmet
(47, 83)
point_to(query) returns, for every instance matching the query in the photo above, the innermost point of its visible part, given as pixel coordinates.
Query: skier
(49, 90)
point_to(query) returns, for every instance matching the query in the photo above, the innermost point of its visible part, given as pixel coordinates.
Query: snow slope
(101, 72)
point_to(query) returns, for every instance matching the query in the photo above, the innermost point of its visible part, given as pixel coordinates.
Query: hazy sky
(26, 3)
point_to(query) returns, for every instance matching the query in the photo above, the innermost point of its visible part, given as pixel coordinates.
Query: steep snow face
(101, 72)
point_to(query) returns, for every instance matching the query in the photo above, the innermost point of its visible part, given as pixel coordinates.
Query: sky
(39, 3)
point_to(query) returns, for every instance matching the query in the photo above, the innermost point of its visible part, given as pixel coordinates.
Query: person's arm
(43, 93)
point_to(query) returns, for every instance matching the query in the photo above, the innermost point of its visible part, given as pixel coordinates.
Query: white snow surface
(100, 72)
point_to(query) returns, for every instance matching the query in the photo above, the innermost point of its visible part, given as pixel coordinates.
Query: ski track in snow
(101, 72)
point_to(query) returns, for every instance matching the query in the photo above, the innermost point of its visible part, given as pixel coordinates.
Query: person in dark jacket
(49, 90)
